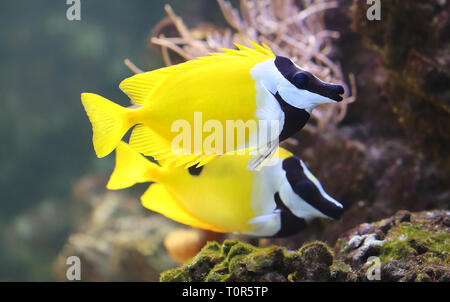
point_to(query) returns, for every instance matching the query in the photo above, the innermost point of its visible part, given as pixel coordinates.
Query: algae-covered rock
(238, 261)
(409, 246)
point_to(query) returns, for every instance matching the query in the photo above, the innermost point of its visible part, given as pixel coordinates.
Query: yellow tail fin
(109, 122)
(131, 168)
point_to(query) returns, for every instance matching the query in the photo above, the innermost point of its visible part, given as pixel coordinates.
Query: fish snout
(335, 92)
(331, 91)
(335, 211)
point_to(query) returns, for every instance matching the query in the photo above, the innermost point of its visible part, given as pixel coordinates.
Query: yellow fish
(239, 86)
(224, 196)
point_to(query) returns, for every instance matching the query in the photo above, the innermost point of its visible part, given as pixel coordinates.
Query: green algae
(238, 261)
(198, 267)
(317, 252)
(412, 239)
(340, 266)
(411, 247)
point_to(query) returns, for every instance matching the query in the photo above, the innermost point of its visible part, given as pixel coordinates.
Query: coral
(238, 261)
(291, 30)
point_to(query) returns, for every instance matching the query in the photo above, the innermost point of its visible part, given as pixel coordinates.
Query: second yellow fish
(224, 196)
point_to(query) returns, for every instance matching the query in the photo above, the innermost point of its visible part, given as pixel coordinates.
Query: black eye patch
(300, 80)
(306, 80)
(286, 68)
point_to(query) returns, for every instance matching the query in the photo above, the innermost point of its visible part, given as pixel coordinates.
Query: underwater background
(46, 62)
(386, 151)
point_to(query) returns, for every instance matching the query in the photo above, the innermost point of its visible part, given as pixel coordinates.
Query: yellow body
(218, 199)
(219, 86)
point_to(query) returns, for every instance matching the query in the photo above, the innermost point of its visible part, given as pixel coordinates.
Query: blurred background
(46, 62)
(389, 151)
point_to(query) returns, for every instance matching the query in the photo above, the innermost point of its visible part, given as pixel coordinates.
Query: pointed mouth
(331, 91)
(334, 92)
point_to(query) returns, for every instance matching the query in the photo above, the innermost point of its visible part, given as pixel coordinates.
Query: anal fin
(158, 199)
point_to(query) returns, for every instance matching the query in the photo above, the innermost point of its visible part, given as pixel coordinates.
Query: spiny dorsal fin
(245, 51)
(140, 87)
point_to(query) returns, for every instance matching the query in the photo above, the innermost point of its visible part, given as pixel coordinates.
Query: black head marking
(306, 80)
(294, 118)
(306, 189)
(195, 171)
(290, 224)
(286, 67)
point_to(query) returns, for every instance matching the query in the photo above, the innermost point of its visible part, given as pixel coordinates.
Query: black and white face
(305, 196)
(286, 197)
(297, 87)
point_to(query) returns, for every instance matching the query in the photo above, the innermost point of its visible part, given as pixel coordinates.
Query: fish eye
(300, 80)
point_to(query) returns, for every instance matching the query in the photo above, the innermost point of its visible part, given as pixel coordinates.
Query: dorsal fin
(141, 86)
(245, 51)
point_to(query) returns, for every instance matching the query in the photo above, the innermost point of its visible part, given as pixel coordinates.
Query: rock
(339, 272)
(412, 43)
(362, 247)
(238, 261)
(415, 247)
(117, 239)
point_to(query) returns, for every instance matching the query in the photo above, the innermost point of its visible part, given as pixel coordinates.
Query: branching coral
(297, 32)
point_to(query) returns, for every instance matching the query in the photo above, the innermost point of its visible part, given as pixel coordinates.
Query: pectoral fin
(263, 156)
(265, 225)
